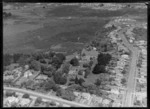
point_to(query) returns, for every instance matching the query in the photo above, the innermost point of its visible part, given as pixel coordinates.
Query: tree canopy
(74, 62)
(99, 69)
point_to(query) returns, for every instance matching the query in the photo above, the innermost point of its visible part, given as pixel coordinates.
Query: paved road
(131, 78)
(46, 97)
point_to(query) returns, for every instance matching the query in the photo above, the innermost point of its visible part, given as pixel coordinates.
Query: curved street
(46, 97)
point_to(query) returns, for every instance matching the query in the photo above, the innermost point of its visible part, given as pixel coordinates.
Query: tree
(80, 81)
(43, 61)
(99, 69)
(49, 85)
(103, 59)
(56, 62)
(38, 100)
(80, 72)
(86, 65)
(74, 62)
(16, 57)
(48, 70)
(52, 103)
(65, 68)
(26, 96)
(10, 93)
(7, 59)
(22, 61)
(35, 65)
(87, 72)
(60, 78)
(67, 94)
(98, 82)
(91, 63)
(52, 54)
(123, 72)
(123, 81)
(60, 56)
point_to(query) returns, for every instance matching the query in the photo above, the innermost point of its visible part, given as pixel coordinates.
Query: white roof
(12, 99)
(24, 101)
(106, 101)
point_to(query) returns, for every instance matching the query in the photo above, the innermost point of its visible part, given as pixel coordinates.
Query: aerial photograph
(74, 54)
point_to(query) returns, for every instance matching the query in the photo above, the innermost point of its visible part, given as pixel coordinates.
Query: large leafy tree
(35, 65)
(103, 59)
(60, 78)
(99, 69)
(66, 94)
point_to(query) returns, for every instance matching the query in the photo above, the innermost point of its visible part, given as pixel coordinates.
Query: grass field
(30, 32)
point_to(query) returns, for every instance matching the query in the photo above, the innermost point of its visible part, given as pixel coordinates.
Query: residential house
(42, 77)
(95, 100)
(115, 91)
(24, 102)
(106, 102)
(28, 73)
(86, 97)
(11, 100)
(113, 96)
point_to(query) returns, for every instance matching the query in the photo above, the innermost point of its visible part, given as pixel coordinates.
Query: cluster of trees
(15, 58)
(103, 60)
(60, 78)
(36, 60)
(6, 14)
(66, 94)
